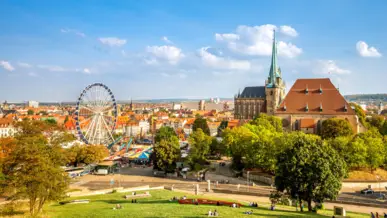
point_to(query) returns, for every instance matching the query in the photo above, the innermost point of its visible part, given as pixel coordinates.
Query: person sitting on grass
(209, 213)
(248, 212)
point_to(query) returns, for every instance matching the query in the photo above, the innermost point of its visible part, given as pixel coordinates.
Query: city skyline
(51, 51)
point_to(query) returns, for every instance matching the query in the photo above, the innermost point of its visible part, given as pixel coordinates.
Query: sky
(51, 50)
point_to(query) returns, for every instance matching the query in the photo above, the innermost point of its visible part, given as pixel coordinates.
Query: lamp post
(380, 191)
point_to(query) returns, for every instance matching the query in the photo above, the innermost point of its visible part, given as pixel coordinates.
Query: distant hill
(367, 97)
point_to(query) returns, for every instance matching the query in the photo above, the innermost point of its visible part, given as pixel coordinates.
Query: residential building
(202, 105)
(33, 104)
(6, 128)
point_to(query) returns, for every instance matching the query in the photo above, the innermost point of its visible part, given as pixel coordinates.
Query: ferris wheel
(96, 114)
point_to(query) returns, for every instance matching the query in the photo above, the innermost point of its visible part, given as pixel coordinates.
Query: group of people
(215, 213)
(234, 205)
(253, 204)
(376, 215)
(134, 200)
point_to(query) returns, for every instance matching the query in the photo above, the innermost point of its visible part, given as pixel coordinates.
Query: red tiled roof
(5, 122)
(330, 99)
(307, 123)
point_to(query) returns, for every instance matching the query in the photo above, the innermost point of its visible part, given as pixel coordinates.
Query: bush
(9, 209)
(197, 167)
(114, 191)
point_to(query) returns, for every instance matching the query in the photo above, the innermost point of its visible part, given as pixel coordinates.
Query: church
(262, 99)
(306, 105)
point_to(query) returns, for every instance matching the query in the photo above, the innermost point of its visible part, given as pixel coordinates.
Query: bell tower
(274, 86)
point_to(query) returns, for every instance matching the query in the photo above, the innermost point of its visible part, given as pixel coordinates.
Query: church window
(271, 92)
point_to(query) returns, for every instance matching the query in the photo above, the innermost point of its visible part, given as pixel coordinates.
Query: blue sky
(51, 50)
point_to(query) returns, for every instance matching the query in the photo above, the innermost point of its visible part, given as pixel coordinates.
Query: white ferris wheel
(96, 115)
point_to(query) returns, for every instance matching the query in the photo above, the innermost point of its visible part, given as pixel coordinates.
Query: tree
(7, 145)
(217, 147)
(166, 149)
(199, 146)
(309, 170)
(30, 112)
(376, 121)
(383, 129)
(201, 123)
(33, 170)
(85, 154)
(268, 122)
(334, 127)
(374, 148)
(66, 119)
(360, 113)
(50, 121)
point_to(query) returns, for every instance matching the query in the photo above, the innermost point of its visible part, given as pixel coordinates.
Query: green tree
(50, 121)
(201, 123)
(166, 149)
(360, 113)
(268, 122)
(66, 119)
(217, 147)
(376, 121)
(334, 127)
(199, 147)
(30, 112)
(33, 169)
(383, 129)
(85, 154)
(309, 170)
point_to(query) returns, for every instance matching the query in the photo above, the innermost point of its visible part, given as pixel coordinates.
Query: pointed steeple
(273, 74)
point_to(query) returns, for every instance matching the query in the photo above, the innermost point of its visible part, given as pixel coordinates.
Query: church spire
(273, 74)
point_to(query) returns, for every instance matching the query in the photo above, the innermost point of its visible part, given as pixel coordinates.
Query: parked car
(367, 191)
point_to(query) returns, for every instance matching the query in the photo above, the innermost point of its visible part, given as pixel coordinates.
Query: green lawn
(159, 206)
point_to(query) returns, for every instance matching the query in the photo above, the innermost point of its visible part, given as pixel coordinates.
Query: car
(367, 191)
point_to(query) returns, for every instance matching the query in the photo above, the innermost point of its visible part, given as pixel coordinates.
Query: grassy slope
(159, 206)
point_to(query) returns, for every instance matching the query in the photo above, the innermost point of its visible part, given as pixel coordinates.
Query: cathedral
(262, 99)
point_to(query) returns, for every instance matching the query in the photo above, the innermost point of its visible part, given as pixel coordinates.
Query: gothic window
(271, 92)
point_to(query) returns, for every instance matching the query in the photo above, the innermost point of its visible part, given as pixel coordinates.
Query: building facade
(6, 128)
(262, 99)
(310, 101)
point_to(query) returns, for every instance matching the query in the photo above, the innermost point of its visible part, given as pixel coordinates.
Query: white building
(33, 104)
(140, 128)
(6, 128)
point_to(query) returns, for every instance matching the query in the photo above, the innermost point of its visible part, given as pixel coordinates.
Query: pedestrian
(377, 215)
(372, 215)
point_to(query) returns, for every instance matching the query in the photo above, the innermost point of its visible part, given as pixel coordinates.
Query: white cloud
(52, 68)
(226, 37)
(76, 32)
(288, 30)
(7, 66)
(24, 65)
(258, 40)
(113, 41)
(87, 71)
(165, 39)
(222, 63)
(171, 54)
(365, 51)
(329, 67)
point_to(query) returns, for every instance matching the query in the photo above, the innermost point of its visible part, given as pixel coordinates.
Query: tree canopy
(201, 123)
(33, 168)
(166, 149)
(309, 170)
(199, 146)
(85, 154)
(334, 127)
